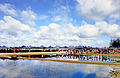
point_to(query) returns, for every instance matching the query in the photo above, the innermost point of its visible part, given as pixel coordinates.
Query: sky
(59, 22)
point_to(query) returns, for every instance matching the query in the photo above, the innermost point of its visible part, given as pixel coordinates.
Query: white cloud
(111, 30)
(61, 14)
(98, 9)
(8, 9)
(88, 30)
(13, 32)
(56, 18)
(113, 17)
(70, 29)
(43, 17)
(28, 16)
(48, 32)
(13, 27)
(69, 34)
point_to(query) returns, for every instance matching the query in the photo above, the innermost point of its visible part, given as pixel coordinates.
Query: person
(14, 50)
(18, 50)
(29, 50)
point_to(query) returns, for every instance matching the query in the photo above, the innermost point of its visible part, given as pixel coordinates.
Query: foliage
(115, 43)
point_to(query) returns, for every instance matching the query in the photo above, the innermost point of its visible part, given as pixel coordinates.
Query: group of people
(94, 51)
(67, 50)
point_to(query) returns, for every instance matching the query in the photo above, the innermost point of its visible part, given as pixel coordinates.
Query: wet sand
(46, 53)
(115, 73)
(30, 53)
(7, 55)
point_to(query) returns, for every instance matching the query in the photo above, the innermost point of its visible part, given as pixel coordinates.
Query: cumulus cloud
(98, 9)
(8, 9)
(48, 32)
(111, 30)
(28, 16)
(113, 17)
(13, 27)
(88, 31)
(14, 33)
(56, 34)
(69, 34)
(62, 32)
(61, 14)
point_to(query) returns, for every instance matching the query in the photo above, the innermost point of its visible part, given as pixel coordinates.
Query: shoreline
(65, 61)
(115, 72)
(46, 53)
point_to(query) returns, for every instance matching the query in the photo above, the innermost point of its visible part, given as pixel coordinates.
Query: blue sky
(59, 22)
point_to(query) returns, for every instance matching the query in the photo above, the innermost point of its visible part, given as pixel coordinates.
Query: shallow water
(45, 69)
(93, 58)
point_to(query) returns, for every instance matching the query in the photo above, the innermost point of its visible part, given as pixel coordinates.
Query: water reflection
(44, 69)
(95, 58)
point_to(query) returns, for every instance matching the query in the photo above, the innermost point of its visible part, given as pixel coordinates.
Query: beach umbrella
(89, 47)
(97, 47)
(50, 47)
(16, 47)
(105, 47)
(109, 48)
(79, 47)
(119, 47)
(10, 47)
(113, 47)
(42, 46)
(3, 47)
(65, 47)
(23, 46)
(71, 47)
(57, 47)
(85, 46)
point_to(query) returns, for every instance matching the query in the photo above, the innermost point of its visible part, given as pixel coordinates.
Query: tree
(115, 43)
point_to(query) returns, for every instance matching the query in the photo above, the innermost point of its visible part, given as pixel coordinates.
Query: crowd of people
(96, 51)
(68, 50)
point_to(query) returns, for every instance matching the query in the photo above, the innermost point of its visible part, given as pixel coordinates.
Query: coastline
(115, 67)
(66, 61)
(115, 73)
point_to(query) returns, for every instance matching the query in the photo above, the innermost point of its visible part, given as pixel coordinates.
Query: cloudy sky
(59, 22)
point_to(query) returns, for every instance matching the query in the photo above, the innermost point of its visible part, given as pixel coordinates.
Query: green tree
(115, 43)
